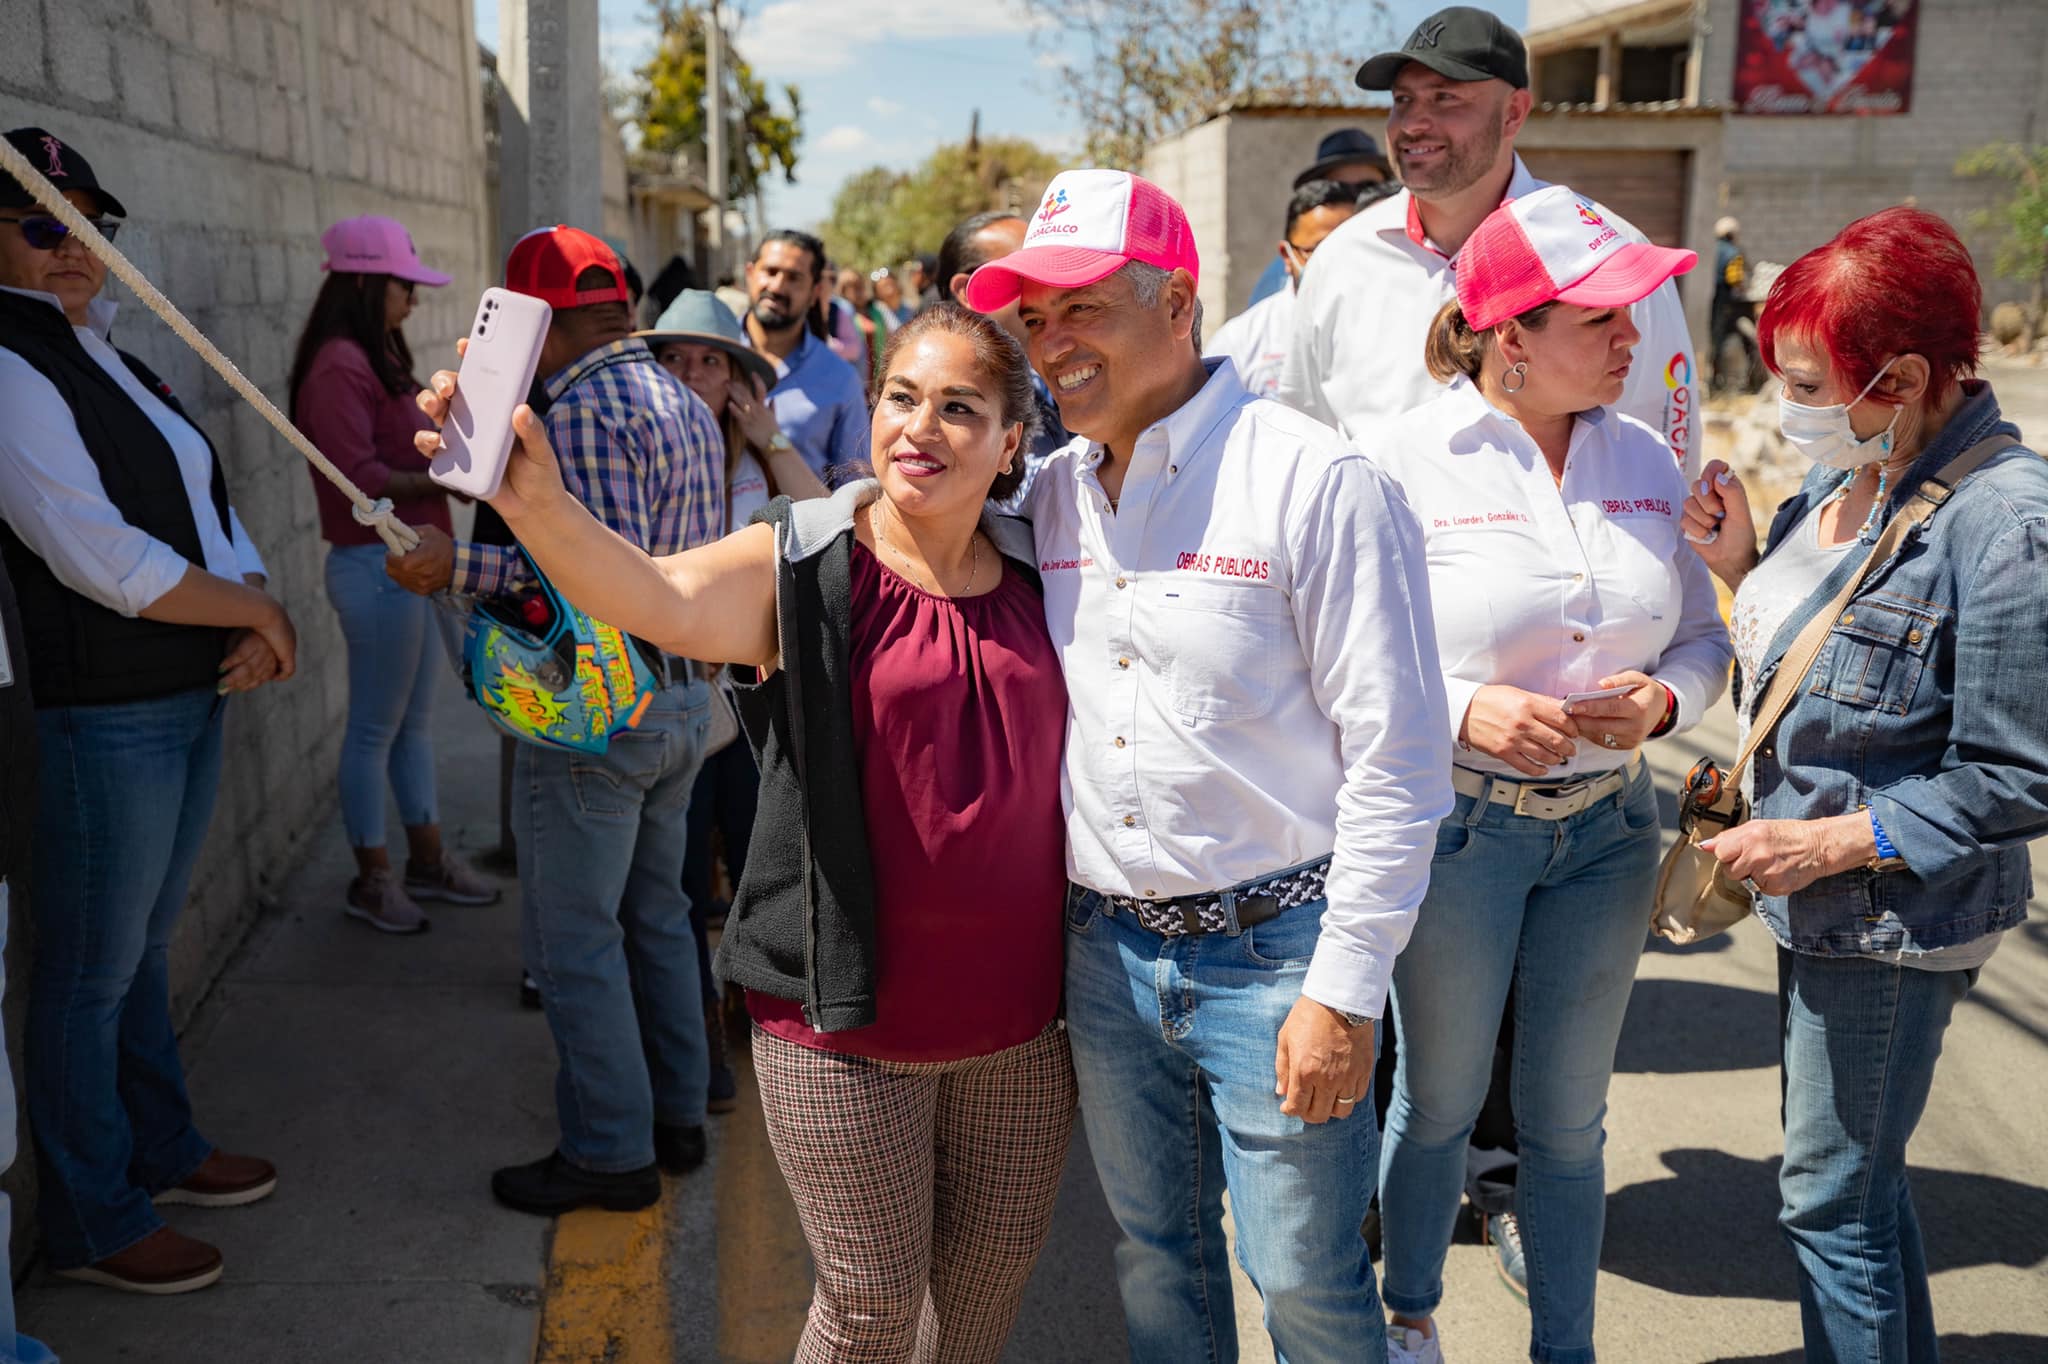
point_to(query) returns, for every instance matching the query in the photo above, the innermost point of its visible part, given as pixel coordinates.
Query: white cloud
(806, 37)
(1051, 59)
(883, 108)
(844, 138)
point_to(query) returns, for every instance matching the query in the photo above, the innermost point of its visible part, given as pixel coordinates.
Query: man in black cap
(1460, 90)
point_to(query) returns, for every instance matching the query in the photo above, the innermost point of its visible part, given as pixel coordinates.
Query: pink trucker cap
(1555, 245)
(371, 245)
(1090, 225)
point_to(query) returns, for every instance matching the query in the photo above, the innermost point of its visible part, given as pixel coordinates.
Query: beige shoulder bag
(1695, 899)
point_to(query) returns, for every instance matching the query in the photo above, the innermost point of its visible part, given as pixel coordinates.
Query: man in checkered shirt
(601, 838)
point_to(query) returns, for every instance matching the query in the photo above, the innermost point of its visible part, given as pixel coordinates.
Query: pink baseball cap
(1090, 224)
(371, 245)
(1554, 245)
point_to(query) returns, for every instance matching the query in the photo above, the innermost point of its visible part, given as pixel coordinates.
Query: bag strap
(1805, 647)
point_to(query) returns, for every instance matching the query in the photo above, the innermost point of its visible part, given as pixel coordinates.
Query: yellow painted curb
(607, 1299)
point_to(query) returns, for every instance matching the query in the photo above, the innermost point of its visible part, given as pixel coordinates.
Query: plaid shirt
(637, 448)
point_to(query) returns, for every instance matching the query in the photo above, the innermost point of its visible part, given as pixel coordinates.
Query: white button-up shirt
(1550, 588)
(1251, 675)
(52, 497)
(1363, 310)
(1256, 341)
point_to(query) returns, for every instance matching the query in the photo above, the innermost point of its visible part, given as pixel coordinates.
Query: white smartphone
(496, 374)
(1572, 698)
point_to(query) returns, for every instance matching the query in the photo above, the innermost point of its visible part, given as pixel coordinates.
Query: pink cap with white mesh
(1089, 225)
(1554, 245)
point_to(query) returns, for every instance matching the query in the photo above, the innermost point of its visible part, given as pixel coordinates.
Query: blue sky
(884, 82)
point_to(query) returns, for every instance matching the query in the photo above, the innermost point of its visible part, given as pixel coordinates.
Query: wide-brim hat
(699, 316)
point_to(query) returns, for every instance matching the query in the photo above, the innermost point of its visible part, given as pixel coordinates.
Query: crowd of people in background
(1234, 740)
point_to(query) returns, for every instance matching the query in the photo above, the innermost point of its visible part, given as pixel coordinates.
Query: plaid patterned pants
(925, 1191)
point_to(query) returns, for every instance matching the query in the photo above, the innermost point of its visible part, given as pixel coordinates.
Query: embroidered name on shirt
(1065, 565)
(1493, 518)
(1638, 506)
(1223, 565)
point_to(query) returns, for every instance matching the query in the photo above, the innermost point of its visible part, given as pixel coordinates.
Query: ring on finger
(1346, 1099)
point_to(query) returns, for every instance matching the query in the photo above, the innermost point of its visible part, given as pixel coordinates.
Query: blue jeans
(125, 794)
(1860, 1041)
(14, 1347)
(1173, 1042)
(395, 663)
(1560, 909)
(607, 929)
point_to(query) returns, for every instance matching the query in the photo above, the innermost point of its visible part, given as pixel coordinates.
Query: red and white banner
(1825, 56)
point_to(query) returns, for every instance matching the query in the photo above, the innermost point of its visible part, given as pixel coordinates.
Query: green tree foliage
(668, 104)
(1149, 68)
(882, 217)
(2023, 252)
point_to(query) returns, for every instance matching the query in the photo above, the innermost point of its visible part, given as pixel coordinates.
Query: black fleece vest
(17, 743)
(80, 652)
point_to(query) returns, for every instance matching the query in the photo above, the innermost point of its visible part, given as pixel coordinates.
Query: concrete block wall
(1980, 75)
(235, 131)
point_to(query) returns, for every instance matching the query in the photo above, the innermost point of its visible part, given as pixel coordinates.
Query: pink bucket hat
(1555, 245)
(1090, 225)
(371, 245)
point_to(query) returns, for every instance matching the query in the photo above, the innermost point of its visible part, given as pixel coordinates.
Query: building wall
(235, 131)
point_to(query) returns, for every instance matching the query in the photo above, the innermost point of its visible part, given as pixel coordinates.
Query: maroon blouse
(367, 431)
(960, 715)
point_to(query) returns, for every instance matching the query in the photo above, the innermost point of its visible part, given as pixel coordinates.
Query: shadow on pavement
(1689, 1027)
(1724, 1210)
(2001, 1347)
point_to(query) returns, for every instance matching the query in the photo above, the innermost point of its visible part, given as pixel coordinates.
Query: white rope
(376, 514)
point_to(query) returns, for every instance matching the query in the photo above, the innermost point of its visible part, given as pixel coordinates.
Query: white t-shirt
(748, 491)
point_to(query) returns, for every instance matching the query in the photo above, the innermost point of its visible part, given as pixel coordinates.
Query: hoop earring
(1009, 466)
(1520, 373)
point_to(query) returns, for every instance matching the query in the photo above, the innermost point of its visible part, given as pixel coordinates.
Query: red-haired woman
(1892, 807)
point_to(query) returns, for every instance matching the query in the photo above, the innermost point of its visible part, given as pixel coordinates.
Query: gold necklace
(937, 588)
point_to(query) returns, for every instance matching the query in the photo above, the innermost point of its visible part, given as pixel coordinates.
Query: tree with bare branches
(1149, 68)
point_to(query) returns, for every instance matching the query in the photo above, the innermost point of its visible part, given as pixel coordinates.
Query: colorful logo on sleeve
(1053, 207)
(1678, 414)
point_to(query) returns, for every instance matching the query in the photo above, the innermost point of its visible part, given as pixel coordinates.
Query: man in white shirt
(1256, 340)
(1255, 766)
(1460, 88)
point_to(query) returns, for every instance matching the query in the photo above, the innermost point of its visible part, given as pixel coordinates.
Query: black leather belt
(668, 669)
(1223, 911)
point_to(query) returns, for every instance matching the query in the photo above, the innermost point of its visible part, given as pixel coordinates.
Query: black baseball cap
(1460, 44)
(61, 163)
(1341, 148)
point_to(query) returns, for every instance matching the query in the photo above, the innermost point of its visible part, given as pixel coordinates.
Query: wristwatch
(778, 443)
(1352, 1020)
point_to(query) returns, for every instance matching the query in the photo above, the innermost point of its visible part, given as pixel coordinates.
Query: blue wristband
(1885, 850)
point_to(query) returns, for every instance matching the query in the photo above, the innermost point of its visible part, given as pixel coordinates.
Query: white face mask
(1824, 435)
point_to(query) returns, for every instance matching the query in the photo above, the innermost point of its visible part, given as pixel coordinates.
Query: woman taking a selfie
(916, 1081)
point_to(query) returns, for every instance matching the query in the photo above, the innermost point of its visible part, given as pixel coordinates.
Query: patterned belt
(1254, 901)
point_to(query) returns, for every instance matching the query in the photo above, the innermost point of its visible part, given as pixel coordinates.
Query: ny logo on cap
(1427, 35)
(55, 151)
(1053, 207)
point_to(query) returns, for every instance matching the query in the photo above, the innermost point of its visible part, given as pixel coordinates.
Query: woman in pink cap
(1556, 568)
(352, 391)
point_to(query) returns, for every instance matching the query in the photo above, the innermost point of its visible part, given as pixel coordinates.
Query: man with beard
(1460, 91)
(818, 399)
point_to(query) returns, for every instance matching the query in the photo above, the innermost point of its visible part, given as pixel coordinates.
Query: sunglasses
(45, 233)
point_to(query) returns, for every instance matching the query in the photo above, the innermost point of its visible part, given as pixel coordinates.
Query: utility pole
(551, 116)
(714, 135)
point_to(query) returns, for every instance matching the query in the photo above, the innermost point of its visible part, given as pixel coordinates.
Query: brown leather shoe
(225, 1181)
(163, 1262)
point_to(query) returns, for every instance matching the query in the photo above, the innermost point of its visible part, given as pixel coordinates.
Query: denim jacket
(1928, 704)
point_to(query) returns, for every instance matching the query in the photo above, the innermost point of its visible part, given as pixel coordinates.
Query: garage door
(1645, 187)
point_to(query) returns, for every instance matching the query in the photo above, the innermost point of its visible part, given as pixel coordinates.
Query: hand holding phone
(497, 372)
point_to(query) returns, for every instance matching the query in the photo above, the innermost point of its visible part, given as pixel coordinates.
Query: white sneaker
(1406, 1345)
